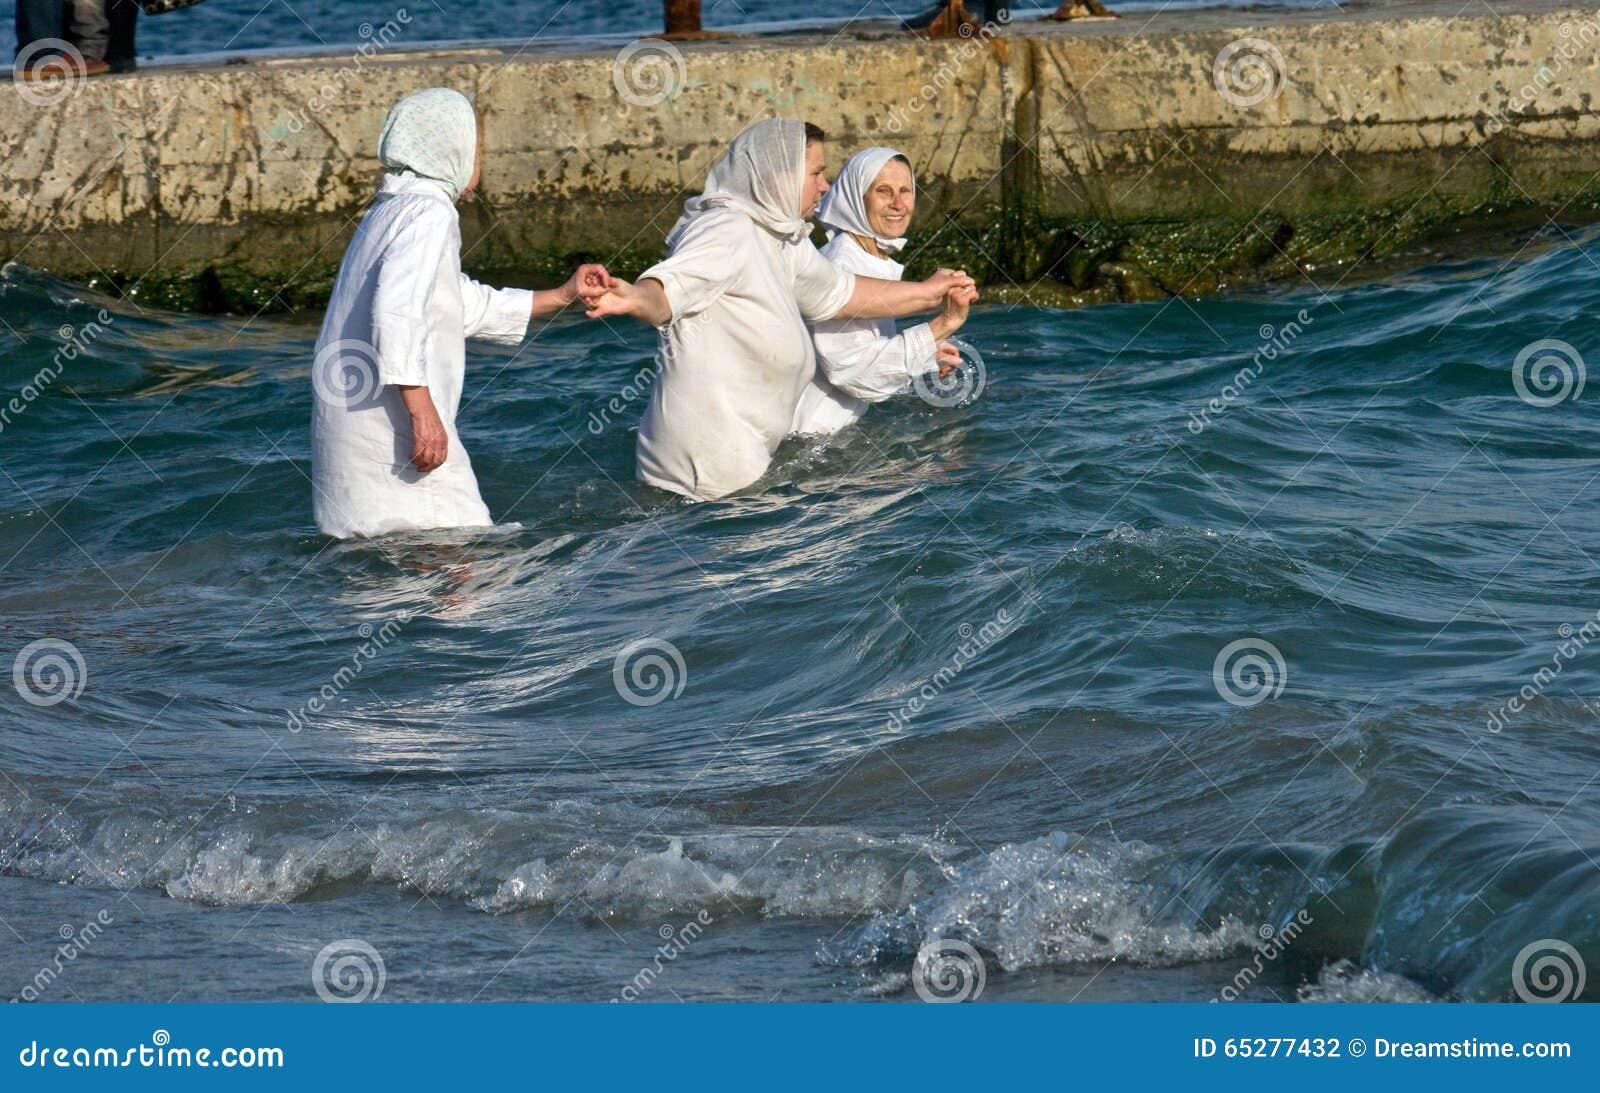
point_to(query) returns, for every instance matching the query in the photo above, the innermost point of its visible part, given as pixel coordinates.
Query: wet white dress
(860, 361)
(736, 354)
(400, 313)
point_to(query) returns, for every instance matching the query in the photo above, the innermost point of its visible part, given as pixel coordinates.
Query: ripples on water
(1077, 800)
(339, 26)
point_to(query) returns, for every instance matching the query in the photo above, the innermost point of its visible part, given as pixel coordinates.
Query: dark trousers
(38, 20)
(124, 16)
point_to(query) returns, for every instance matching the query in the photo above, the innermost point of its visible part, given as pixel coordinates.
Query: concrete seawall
(1069, 162)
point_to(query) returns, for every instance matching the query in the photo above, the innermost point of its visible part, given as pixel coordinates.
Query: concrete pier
(1074, 162)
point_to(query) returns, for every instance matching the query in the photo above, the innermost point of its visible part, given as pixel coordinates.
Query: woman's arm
(875, 298)
(864, 364)
(503, 314)
(872, 368)
(645, 300)
(954, 315)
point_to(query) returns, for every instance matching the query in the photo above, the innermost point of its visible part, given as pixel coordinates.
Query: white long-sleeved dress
(401, 312)
(735, 355)
(860, 361)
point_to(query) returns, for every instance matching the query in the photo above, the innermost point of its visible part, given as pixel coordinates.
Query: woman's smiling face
(890, 200)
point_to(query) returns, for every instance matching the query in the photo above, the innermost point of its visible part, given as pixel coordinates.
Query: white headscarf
(432, 134)
(763, 174)
(844, 208)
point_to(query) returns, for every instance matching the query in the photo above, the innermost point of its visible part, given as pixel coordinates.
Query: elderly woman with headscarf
(861, 361)
(732, 301)
(391, 357)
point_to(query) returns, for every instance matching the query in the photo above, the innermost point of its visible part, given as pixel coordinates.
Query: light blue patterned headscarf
(432, 134)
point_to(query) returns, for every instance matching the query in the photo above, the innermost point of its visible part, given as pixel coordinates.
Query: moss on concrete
(1071, 262)
(1051, 261)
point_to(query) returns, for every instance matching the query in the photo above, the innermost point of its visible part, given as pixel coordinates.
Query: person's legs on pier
(88, 28)
(39, 21)
(124, 18)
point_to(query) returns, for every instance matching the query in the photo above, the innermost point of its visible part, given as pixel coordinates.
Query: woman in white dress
(732, 301)
(861, 361)
(391, 357)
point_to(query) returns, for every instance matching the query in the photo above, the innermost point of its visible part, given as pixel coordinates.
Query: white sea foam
(1056, 900)
(1344, 982)
(1053, 900)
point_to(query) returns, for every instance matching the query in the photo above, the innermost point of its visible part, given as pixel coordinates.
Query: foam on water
(1058, 900)
(1344, 982)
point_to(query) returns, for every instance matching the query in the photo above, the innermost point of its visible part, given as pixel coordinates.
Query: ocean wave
(1444, 907)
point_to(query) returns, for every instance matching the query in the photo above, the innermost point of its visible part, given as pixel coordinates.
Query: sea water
(1210, 648)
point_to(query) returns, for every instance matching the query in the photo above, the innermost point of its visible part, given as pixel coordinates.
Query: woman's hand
(942, 282)
(430, 443)
(954, 315)
(608, 295)
(949, 359)
(548, 301)
(589, 275)
(605, 295)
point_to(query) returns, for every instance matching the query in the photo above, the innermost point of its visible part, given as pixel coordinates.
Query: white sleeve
(495, 314)
(407, 271)
(705, 262)
(820, 287)
(863, 363)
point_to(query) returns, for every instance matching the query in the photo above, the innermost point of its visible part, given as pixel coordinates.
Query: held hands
(583, 278)
(548, 301)
(959, 293)
(646, 300)
(604, 295)
(943, 281)
(956, 302)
